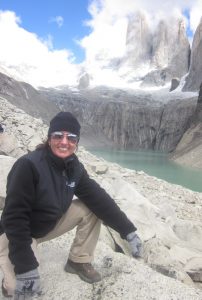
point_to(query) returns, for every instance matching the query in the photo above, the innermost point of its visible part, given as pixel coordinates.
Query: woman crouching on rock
(39, 206)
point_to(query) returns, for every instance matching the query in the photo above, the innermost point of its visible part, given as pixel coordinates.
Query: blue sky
(49, 42)
(38, 16)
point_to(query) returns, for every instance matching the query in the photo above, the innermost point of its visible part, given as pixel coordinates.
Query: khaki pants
(83, 246)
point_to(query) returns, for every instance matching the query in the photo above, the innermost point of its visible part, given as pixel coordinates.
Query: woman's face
(63, 143)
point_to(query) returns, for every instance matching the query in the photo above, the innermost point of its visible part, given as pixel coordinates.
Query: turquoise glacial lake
(155, 164)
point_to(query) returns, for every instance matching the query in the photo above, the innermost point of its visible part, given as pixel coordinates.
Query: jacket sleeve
(15, 217)
(102, 205)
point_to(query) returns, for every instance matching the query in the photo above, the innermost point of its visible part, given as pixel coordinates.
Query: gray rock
(99, 168)
(175, 120)
(174, 84)
(188, 151)
(156, 78)
(194, 269)
(23, 132)
(128, 120)
(84, 81)
(138, 41)
(170, 53)
(200, 94)
(194, 78)
(163, 53)
(24, 96)
(9, 145)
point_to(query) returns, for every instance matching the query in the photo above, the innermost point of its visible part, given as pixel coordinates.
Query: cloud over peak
(38, 62)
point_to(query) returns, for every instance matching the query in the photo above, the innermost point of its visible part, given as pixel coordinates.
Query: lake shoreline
(154, 163)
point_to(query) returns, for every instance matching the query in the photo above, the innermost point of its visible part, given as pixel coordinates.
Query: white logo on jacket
(71, 184)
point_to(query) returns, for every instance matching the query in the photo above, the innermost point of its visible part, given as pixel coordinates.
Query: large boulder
(9, 145)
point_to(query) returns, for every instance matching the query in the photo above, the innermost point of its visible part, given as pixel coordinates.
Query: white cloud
(58, 20)
(122, 8)
(109, 25)
(195, 14)
(48, 41)
(27, 57)
(35, 60)
(107, 39)
(109, 22)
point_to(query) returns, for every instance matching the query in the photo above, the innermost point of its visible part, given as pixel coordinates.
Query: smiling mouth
(63, 149)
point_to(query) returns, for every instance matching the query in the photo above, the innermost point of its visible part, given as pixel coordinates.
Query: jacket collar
(60, 163)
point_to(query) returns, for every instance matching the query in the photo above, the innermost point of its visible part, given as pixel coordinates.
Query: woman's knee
(80, 207)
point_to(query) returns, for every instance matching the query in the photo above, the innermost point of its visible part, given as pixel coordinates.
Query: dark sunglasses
(59, 135)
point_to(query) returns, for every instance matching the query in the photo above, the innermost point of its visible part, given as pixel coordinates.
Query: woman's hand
(135, 244)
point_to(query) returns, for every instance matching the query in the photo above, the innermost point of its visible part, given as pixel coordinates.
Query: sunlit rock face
(138, 41)
(171, 47)
(188, 150)
(134, 126)
(156, 55)
(170, 53)
(194, 78)
(128, 121)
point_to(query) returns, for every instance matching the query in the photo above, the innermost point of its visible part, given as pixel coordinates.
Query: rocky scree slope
(27, 98)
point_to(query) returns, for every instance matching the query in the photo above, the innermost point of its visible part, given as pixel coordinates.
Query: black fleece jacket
(40, 188)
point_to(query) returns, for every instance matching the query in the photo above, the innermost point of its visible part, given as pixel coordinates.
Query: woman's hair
(43, 145)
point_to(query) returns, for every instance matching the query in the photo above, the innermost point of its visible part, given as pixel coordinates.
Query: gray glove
(135, 244)
(27, 285)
